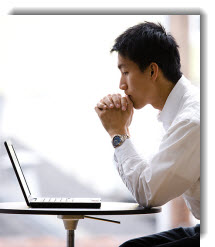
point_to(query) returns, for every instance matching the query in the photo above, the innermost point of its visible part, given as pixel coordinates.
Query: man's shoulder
(188, 116)
(190, 107)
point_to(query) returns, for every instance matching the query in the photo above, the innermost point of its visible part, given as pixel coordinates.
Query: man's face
(135, 83)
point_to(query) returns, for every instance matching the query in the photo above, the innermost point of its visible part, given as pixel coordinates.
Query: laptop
(46, 202)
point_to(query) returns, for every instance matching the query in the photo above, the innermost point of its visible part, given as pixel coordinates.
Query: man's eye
(125, 73)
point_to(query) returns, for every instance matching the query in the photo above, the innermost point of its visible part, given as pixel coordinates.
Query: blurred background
(54, 69)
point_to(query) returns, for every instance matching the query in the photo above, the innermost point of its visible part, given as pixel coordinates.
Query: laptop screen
(18, 170)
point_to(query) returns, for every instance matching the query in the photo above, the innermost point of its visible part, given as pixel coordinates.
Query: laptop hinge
(30, 198)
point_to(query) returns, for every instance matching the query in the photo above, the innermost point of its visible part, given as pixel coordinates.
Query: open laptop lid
(18, 171)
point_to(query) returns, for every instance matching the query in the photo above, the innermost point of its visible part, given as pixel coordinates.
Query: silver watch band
(124, 137)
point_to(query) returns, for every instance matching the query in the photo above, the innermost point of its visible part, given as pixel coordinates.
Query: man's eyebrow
(121, 65)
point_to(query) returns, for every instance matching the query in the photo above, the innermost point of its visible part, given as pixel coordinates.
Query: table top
(107, 208)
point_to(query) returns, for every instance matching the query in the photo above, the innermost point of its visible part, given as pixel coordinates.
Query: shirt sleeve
(171, 171)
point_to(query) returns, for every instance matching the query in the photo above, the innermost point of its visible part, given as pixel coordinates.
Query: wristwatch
(118, 140)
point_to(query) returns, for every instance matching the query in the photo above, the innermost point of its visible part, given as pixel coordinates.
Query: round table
(71, 216)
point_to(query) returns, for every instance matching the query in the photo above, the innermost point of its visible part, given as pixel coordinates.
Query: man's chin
(138, 107)
(135, 105)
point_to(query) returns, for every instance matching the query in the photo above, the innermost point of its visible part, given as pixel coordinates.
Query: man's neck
(164, 88)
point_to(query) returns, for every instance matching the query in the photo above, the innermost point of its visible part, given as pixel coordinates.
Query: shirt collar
(172, 104)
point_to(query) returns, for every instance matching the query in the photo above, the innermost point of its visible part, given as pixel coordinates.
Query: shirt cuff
(125, 151)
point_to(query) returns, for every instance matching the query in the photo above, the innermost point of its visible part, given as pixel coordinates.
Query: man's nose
(122, 85)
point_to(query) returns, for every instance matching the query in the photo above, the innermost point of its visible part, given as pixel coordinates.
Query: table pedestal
(70, 224)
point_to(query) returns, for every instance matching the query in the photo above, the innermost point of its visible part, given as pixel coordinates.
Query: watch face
(116, 141)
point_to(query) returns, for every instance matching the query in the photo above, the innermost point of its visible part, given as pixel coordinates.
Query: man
(149, 61)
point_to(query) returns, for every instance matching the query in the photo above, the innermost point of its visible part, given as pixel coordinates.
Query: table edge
(49, 211)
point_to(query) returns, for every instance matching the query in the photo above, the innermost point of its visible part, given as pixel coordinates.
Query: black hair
(148, 42)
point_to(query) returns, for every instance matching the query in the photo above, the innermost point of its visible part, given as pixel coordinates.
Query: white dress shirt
(175, 169)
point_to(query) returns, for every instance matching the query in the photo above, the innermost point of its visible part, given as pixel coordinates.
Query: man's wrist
(118, 132)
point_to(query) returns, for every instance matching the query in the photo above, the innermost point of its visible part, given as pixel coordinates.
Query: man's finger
(107, 100)
(101, 106)
(117, 100)
(124, 103)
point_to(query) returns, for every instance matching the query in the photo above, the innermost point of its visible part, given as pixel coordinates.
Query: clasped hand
(115, 113)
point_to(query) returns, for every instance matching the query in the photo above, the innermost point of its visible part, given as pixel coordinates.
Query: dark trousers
(181, 236)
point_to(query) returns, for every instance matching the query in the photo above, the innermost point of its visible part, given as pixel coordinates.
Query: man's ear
(154, 70)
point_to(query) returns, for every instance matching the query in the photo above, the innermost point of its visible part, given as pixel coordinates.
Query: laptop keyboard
(68, 199)
(47, 199)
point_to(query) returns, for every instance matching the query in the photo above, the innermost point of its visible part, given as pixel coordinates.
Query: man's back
(182, 111)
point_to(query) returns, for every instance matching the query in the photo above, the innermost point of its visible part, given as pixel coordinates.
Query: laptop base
(64, 205)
